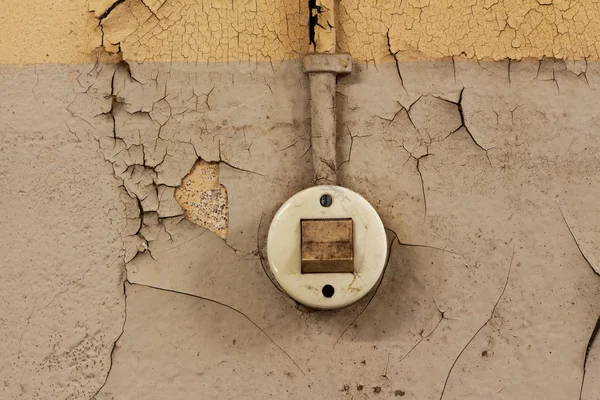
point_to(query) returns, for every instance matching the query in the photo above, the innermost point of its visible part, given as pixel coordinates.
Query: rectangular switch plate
(327, 245)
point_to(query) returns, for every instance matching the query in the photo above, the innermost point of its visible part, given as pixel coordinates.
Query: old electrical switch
(327, 245)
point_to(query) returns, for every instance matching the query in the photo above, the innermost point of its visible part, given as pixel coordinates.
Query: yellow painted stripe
(35, 32)
(67, 31)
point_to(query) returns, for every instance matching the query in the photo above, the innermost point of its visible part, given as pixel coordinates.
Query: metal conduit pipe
(322, 67)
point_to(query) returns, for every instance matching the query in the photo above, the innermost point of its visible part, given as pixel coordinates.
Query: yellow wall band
(68, 31)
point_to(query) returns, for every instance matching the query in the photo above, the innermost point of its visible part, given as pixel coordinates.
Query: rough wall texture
(372, 31)
(484, 173)
(224, 30)
(484, 178)
(482, 29)
(61, 224)
(489, 217)
(53, 32)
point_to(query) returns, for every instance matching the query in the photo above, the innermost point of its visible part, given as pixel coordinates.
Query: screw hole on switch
(328, 291)
(325, 200)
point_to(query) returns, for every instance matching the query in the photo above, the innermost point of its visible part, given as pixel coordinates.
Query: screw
(328, 291)
(326, 200)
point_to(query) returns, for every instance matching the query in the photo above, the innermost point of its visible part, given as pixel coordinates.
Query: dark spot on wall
(313, 20)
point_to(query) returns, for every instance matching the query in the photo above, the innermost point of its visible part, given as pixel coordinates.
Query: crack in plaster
(115, 343)
(423, 337)
(422, 187)
(185, 30)
(115, 101)
(596, 328)
(464, 125)
(430, 141)
(313, 21)
(482, 326)
(587, 353)
(423, 30)
(110, 9)
(576, 243)
(231, 308)
(374, 291)
(147, 217)
(114, 346)
(222, 160)
(145, 195)
(395, 56)
(101, 18)
(431, 247)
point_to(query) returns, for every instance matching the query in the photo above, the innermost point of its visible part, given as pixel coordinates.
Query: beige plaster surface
(483, 173)
(61, 224)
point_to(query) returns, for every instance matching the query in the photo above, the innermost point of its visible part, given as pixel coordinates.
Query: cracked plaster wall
(188, 30)
(194, 30)
(484, 173)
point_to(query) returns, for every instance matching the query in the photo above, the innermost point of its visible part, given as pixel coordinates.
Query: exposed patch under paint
(204, 199)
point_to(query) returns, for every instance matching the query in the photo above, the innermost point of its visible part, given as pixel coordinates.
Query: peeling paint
(185, 30)
(194, 31)
(432, 146)
(470, 164)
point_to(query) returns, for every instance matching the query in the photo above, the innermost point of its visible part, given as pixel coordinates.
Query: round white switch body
(328, 290)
